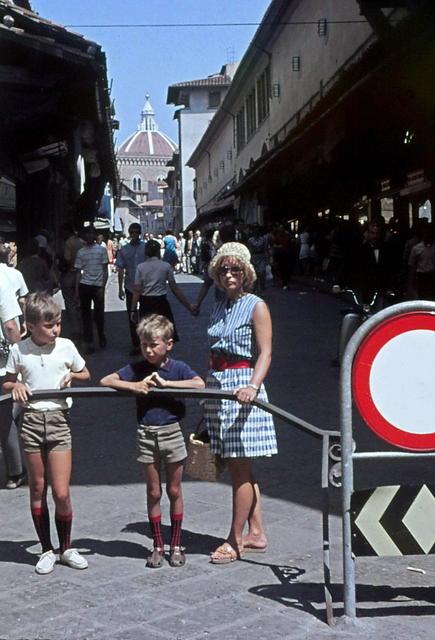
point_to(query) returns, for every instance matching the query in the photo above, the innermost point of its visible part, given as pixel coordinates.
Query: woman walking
(240, 339)
(151, 283)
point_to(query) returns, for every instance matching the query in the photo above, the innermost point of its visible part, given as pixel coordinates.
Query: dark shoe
(103, 342)
(177, 557)
(155, 560)
(15, 481)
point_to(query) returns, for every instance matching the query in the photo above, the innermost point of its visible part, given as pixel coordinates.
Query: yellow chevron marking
(420, 519)
(369, 525)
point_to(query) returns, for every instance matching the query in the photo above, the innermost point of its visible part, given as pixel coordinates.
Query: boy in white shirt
(46, 361)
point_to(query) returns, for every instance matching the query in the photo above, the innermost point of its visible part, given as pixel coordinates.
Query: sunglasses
(235, 271)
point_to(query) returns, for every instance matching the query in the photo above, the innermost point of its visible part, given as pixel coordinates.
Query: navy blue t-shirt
(158, 409)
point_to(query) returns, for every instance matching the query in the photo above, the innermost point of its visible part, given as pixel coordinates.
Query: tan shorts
(160, 443)
(42, 430)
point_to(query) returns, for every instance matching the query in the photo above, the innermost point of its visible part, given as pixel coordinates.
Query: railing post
(347, 484)
(325, 531)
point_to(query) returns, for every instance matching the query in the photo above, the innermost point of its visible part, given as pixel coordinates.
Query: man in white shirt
(9, 334)
(91, 277)
(15, 279)
(14, 276)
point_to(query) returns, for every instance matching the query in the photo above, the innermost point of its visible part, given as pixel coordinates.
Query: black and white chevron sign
(393, 521)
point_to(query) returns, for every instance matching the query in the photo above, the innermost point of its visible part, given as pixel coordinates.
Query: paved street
(275, 595)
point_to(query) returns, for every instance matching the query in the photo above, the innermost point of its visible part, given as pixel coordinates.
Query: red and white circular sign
(393, 379)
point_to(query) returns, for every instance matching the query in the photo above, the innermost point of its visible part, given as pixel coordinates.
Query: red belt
(220, 363)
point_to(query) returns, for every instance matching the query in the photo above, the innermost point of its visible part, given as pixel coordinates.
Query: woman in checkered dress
(240, 338)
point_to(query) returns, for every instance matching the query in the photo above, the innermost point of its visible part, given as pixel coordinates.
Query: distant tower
(142, 158)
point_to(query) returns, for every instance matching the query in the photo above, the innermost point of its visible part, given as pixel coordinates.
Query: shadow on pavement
(195, 543)
(310, 596)
(17, 552)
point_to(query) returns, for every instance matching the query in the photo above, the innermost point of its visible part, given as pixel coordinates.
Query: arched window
(137, 183)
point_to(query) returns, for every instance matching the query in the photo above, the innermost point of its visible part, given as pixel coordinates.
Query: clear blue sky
(148, 60)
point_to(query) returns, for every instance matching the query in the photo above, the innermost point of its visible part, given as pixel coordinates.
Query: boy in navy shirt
(159, 436)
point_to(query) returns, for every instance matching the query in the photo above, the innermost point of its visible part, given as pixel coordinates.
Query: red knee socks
(63, 526)
(155, 522)
(176, 522)
(41, 520)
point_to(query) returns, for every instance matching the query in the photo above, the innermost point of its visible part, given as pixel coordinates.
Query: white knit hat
(233, 250)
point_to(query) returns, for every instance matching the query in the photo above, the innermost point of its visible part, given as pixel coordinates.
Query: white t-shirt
(15, 278)
(44, 368)
(9, 309)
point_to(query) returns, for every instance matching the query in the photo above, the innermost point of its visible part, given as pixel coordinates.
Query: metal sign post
(390, 343)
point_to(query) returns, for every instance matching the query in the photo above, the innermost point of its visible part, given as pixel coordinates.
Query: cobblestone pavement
(276, 595)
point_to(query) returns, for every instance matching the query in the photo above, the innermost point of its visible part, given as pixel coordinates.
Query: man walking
(72, 244)
(127, 259)
(91, 277)
(196, 252)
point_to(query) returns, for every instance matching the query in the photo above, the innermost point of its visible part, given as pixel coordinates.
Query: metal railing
(330, 445)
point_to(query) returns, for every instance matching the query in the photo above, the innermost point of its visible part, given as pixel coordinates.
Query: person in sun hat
(240, 341)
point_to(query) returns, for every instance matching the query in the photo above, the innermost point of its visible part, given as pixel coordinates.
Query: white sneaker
(46, 563)
(73, 559)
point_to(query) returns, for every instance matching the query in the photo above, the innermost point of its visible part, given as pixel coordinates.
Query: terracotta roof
(147, 143)
(205, 82)
(215, 80)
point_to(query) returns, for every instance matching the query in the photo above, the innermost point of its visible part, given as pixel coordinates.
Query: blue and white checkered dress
(236, 430)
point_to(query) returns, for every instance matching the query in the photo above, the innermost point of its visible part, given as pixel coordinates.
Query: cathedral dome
(147, 140)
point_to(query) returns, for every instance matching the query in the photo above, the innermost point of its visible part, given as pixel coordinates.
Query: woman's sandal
(155, 560)
(177, 557)
(225, 554)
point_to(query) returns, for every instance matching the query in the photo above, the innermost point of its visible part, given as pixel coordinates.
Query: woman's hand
(245, 395)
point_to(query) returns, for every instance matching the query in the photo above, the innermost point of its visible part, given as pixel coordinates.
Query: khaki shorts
(160, 443)
(42, 430)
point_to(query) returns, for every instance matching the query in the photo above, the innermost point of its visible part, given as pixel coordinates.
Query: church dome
(147, 140)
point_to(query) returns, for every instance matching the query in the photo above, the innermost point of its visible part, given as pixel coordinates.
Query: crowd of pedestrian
(375, 256)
